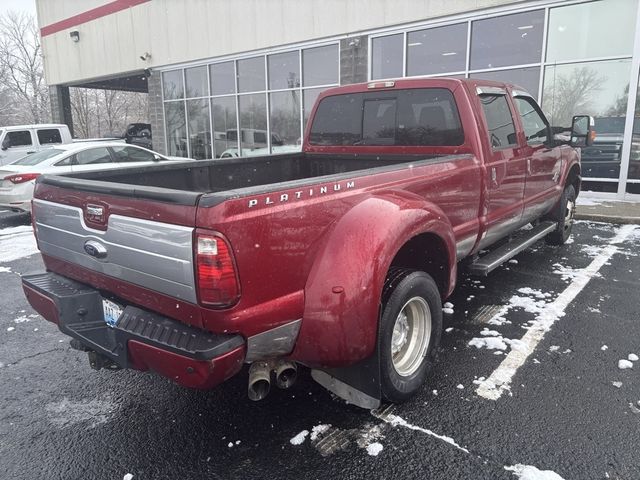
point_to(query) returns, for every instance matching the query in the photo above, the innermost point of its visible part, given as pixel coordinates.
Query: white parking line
(500, 380)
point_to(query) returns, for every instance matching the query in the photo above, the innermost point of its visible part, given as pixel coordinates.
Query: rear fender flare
(342, 293)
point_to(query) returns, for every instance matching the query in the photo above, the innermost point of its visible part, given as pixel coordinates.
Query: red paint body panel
(293, 246)
(183, 370)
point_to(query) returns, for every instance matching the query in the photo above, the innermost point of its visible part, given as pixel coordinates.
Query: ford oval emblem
(95, 249)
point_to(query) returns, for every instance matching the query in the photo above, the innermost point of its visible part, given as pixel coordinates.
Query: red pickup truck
(336, 258)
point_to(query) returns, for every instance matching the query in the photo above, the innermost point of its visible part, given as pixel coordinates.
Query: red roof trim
(93, 14)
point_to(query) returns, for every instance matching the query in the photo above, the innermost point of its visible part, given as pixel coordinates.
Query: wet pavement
(568, 408)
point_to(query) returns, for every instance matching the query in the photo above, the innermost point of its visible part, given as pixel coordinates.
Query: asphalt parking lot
(528, 381)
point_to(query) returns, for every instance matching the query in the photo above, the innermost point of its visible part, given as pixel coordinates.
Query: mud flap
(358, 384)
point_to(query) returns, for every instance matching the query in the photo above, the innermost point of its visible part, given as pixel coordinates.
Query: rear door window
(19, 138)
(93, 156)
(411, 117)
(49, 135)
(502, 132)
(132, 154)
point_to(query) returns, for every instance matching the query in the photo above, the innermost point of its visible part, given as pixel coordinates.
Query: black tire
(563, 214)
(409, 290)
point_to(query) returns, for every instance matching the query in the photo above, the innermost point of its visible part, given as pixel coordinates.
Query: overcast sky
(28, 6)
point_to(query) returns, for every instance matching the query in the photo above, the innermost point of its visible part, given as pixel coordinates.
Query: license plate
(112, 312)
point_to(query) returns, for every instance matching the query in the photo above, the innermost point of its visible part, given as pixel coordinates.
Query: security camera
(145, 56)
(75, 35)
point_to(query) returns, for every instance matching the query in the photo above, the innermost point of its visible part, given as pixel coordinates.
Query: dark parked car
(602, 159)
(138, 134)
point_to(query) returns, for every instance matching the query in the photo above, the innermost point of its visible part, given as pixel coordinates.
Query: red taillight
(22, 177)
(217, 278)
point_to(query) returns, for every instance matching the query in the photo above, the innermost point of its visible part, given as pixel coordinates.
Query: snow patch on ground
(17, 242)
(396, 421)
(66, 413)
(299, 438)
(127, 476)
(633, 357)
(5, 270)
(588, 202)
(624, 364)
(319, 430)
(528, 472)
(21, 319)
(374, 449)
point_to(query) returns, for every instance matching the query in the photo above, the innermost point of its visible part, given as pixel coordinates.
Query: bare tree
(21, 68)
(98, 113)
(568, 95)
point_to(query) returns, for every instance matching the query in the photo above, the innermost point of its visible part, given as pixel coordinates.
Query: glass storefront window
(284, 70)
(599, 89)
(251, 74)
(386, 57)
(176, 129)
(285, 120)
(204, 128)
(437, 50)
(172, 84)
(253, 125)
(309, 97)
(634, 155)
(320, 65)
(591, 30)
(196, 79)
(199, 129)
(225, 126)
(527, 78)
(223, 78)
(507, 40)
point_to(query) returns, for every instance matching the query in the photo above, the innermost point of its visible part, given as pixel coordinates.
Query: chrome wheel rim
(411, 335)
(568, 215)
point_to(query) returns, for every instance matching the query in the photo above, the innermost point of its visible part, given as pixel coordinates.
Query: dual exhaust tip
(285, 374)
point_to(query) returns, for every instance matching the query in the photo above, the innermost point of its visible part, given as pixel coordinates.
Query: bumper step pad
(81, 316)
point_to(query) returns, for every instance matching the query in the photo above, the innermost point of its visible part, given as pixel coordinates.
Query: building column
(156, 112)
(354, 59)
(61, 105)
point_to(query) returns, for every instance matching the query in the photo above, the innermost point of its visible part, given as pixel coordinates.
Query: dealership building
(239, 77)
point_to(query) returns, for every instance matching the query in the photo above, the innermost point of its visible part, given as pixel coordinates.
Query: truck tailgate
(134, 241)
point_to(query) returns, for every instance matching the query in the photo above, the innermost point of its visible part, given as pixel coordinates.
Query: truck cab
(20, 140)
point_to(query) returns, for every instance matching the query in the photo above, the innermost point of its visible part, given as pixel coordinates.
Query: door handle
(494, 176)
(29, 153)
(528, 166)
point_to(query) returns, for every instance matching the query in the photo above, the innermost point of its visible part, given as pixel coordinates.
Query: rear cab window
(408, 117)
(48, 136)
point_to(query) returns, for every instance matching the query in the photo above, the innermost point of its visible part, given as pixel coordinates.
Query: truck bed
(184, 183)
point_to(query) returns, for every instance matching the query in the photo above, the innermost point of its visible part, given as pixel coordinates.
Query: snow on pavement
(16, 243)
(374, 449)
(624, 364)
(299, 438)
(397, 421)
(529, 472)
(500, 379)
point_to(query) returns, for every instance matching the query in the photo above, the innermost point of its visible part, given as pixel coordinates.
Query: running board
(492, 260)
